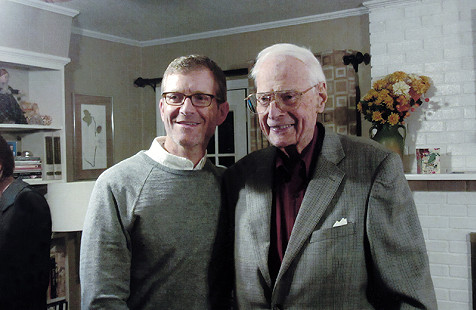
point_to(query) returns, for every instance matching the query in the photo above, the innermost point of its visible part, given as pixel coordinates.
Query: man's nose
(187, 105)
(274, 109)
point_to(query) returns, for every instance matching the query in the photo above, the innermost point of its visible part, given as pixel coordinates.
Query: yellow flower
(397, 76)
(389, 105)
(370, 95)
(359, 106)
(380, 84)
(377, 116)
(393, 119)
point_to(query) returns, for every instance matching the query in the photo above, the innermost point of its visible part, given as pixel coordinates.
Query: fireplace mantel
(446, 182)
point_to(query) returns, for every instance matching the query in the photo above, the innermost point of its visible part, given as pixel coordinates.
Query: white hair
(316, 75)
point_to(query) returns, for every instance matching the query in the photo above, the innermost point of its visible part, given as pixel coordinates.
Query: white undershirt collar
(160, 155)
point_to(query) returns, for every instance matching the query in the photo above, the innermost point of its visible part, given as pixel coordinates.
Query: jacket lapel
(259, 197)
(320, 191)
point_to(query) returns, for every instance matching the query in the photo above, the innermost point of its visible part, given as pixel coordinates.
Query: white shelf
(26, 128)
(40, 181)
(442, 177)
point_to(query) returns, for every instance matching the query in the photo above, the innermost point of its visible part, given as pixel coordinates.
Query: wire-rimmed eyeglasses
(286, 100)
(198, 100)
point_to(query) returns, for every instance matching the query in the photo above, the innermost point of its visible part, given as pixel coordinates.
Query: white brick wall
(433, 38)
(437, 38)
(446, 220)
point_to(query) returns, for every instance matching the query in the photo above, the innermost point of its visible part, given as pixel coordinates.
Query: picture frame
(93, 136)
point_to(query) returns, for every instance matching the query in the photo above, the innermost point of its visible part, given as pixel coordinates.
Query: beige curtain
(340, 112)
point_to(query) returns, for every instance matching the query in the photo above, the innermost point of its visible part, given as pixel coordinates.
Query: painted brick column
(437, 38)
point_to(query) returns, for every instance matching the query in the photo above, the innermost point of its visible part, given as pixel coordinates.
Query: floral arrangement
(393, 98)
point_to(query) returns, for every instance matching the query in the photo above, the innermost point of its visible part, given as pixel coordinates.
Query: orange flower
(403, 107)
(414, 94)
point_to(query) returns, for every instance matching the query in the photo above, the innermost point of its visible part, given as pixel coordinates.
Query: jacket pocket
(333, 233)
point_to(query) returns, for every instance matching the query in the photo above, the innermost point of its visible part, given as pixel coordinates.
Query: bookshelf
(40, 78)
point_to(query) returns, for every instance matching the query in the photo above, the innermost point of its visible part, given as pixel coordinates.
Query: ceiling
(149, 20)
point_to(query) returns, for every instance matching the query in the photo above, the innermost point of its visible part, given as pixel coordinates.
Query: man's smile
(280, 127)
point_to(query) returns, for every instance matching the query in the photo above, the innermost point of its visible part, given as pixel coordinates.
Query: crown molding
(223, 32)
(258, 27)
(47, 7)
(32, 59)
(377, 4)
(103, 36)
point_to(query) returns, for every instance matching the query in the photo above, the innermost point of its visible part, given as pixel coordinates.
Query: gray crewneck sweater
(148, 236)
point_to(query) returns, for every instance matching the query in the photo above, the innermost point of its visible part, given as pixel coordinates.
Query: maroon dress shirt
(291, 177)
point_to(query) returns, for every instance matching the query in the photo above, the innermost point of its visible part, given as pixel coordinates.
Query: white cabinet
(40, 78)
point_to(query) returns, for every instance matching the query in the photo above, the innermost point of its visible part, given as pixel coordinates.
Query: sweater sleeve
(400, 277)
(105, 252)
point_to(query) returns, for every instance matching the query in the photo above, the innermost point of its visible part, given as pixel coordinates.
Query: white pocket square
(342, 222)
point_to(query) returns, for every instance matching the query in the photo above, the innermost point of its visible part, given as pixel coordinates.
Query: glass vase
(392, 137)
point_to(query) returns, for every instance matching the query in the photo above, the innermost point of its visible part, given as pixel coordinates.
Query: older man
(322, 221)
(152, 220)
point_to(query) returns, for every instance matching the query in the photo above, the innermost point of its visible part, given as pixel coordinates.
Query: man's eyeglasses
(198, 99)
(286, 100)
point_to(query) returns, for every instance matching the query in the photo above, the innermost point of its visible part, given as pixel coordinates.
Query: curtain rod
(141, 82)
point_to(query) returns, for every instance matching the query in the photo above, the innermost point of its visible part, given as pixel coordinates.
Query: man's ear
(223, 109)
(322, 88)
(161, 108)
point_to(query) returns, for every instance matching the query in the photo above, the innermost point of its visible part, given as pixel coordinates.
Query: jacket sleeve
(105, 252)
(399, 275)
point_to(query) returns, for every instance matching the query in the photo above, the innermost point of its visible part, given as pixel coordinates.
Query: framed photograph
(93, 136)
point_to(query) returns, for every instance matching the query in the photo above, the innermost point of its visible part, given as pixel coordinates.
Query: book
(49, 173)
(28, 175)
(31, 168)
(13, 147)
(58, 175)
(27, 158)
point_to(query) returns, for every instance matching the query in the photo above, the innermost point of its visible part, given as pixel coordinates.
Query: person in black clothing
(25, 235)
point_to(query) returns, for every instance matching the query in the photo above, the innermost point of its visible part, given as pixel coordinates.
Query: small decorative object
(32, 114)
(428, 161)
(27, 154)
(389, 103)
(46, 120)
(10, 112)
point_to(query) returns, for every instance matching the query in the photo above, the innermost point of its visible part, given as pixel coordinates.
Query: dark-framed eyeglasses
(286, 100)
(198, 100)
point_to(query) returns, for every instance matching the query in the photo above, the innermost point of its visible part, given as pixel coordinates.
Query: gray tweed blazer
(356, 244)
